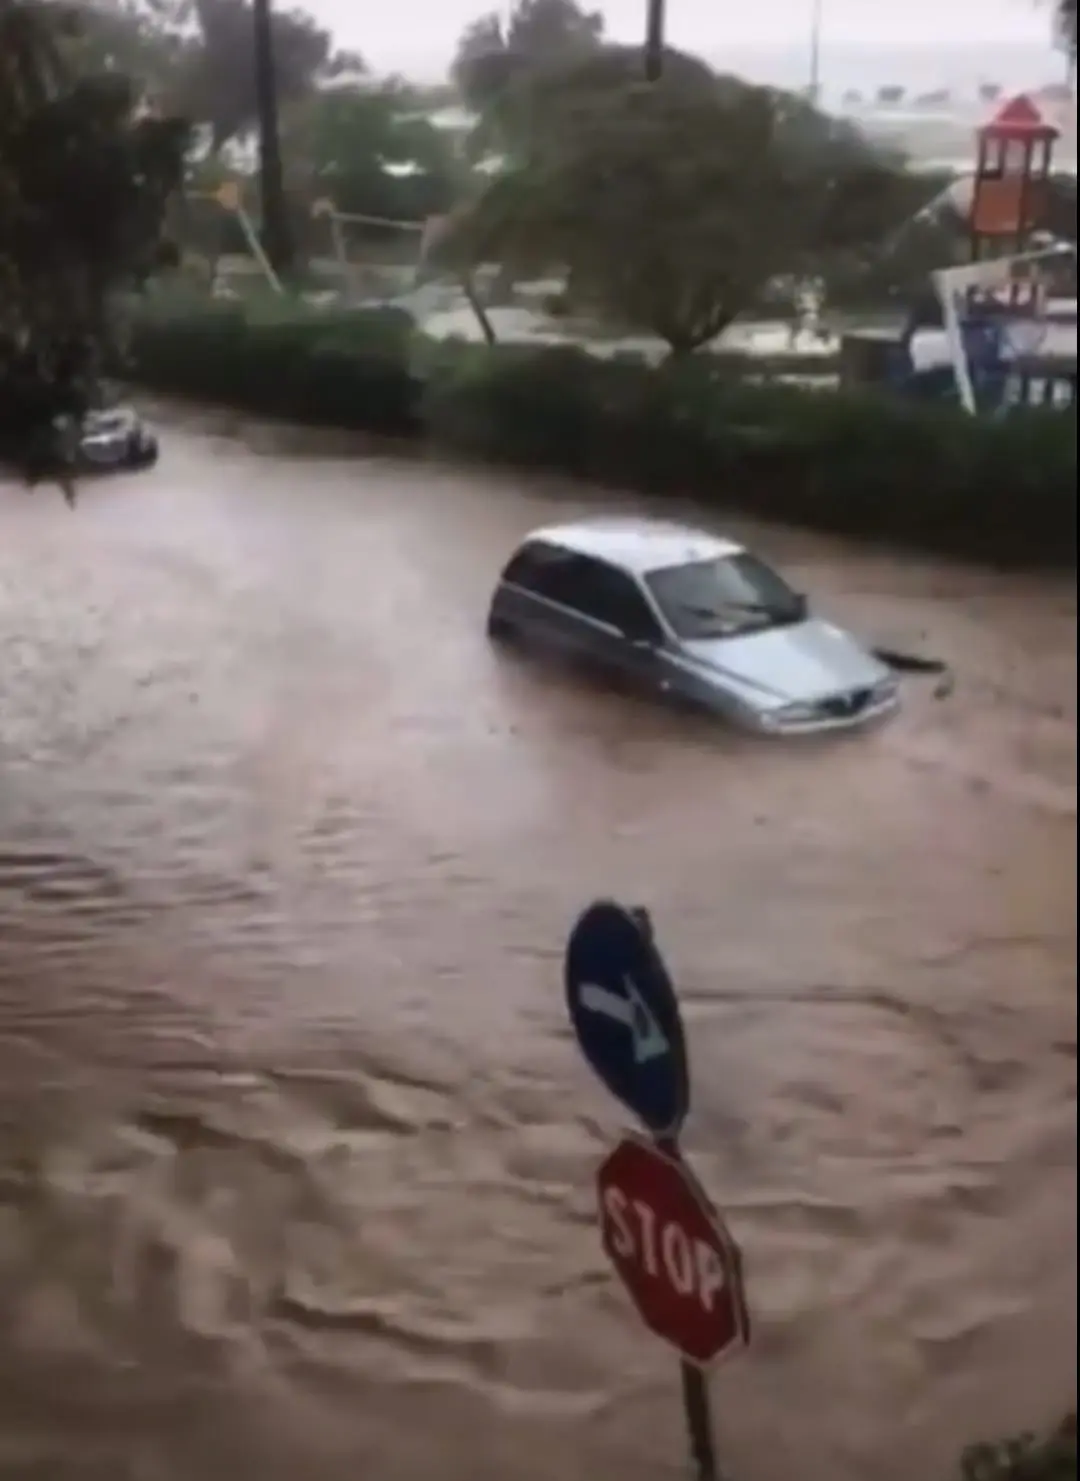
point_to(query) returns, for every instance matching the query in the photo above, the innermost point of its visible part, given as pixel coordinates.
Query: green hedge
(344, 370)
(864, 464)
(858, 463)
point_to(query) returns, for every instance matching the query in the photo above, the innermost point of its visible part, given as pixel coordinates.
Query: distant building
(941, 97)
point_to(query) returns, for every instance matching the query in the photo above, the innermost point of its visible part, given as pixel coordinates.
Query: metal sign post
(696, 1407)
(670, 1248)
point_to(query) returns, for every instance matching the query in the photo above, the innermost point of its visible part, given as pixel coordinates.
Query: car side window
(611, 596)
(543, 569)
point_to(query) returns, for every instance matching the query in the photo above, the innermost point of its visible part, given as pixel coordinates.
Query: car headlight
(793, 714)
(887, 689)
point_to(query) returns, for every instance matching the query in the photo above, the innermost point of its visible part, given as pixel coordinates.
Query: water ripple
(296, 1155)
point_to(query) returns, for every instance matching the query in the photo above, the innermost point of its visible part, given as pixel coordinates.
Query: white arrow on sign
(632, 1012)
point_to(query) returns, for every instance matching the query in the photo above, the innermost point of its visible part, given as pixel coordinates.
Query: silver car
(115, 439)
(679, 612)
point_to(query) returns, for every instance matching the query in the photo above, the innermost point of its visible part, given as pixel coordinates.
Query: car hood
(791, 665)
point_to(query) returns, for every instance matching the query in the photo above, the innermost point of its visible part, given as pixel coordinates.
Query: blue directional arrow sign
(626, 1015)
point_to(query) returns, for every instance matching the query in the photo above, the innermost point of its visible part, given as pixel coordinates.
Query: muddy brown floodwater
(295, 1149)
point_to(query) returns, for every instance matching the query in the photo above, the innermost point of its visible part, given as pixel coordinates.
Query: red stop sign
(672, 1252)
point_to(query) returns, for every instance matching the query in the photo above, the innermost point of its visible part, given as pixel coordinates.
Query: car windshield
(718, 598)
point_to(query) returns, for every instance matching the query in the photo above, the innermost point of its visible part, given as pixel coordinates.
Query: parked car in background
(682, 613)
(115, 439)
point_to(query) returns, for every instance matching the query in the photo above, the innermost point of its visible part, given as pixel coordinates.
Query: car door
(529, 598)
(567, 625)
(618, 629)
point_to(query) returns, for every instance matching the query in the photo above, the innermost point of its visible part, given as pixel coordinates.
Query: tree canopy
(671, 205)
(494, 53)
(373, 151)
(1065, 23)
(85, 178)
(215, 83)
(126, 37)
(196, 58)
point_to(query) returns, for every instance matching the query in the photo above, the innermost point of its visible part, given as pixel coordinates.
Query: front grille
(844, 706)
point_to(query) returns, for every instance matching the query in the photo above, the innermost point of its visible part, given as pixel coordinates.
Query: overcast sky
(390, 33)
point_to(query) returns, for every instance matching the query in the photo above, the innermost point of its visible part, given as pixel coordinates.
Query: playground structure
(997, 327)
(344, 269)
(398, 279)
(1012, 176)
(348, 269)
(229, 197)
(998, 330)
(995, 308)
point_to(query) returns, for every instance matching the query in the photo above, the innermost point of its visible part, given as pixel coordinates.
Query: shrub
(858, 463)
(862, 463)
(342, 370)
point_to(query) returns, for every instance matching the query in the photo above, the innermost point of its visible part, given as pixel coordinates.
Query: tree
(895, 273)
(482, 65)
(492, 55)
(127, 37)
(541, 97)
(544, 30)
(217, 81)
(671, 205)
(197, 56)
(85, 180)
(1065, 25)
(373, 152)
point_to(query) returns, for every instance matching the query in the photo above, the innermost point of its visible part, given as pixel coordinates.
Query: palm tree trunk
(277, 236)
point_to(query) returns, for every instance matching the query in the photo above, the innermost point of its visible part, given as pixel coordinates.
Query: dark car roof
(635, 544)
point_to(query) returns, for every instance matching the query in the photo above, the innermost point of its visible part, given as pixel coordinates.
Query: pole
(341, 257)
(695, 1390)
(814, 90)
(654, 39)
(251, 236)
(954, 338)
(277, 236)
(699, 1423)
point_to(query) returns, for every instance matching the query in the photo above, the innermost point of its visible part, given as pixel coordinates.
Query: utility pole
(654, 39)
(814, 89)
(276, 228)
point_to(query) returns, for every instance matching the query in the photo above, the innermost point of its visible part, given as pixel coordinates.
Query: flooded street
(296, 1152)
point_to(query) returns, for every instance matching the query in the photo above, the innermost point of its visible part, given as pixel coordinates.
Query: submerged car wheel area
(688, 615)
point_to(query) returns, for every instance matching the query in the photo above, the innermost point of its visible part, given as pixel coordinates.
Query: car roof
(636, 544)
